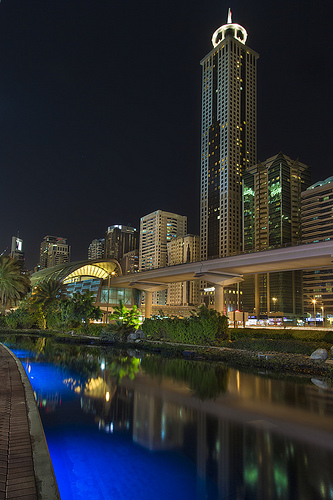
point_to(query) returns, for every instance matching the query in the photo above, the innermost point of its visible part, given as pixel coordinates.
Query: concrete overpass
(229, 270)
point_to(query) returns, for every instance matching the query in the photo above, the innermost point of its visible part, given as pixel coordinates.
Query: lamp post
(322, 314)
(274, 299)
(314, 311)
(107, 305)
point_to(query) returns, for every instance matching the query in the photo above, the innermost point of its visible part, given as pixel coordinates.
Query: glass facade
(128, 296)
(272, 219)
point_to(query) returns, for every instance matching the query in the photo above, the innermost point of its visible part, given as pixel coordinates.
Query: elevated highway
(229, 270)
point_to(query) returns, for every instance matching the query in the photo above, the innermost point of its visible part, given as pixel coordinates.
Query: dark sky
(100, 106)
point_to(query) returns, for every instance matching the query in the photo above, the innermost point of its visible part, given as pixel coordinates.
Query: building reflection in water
(256, 439)
(248, 457)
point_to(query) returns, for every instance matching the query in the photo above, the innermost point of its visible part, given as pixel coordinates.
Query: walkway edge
(47, 488)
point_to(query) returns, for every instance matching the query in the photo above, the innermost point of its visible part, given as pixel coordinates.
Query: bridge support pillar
(256, 296)
(219, 298)
(148, 303)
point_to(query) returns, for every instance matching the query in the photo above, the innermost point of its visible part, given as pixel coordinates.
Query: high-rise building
(130, 262)
(272, 208)
(182, 250)
(96, 249)
(272, 219)
(228, 138)
(16, 250)
(53, 251)
(156, 230)
(120, 240)
(317, 210)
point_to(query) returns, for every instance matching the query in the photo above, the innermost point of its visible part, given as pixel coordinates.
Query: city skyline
(83, 102)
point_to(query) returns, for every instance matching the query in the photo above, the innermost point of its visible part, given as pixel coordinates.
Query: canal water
(125, 424)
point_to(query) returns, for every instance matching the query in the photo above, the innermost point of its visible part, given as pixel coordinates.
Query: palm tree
(47, 294)
(13, 284)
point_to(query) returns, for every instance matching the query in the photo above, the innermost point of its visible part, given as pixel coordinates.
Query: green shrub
(91, 329)
(21, 318)
(207, 327)
(328, 337)
(281, 334)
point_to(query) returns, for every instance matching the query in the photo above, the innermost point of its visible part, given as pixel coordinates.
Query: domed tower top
(236, 30)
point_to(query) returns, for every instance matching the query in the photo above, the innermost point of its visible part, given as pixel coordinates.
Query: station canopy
(71, 271)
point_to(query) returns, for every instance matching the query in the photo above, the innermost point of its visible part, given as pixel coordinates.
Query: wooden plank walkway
(19, 453)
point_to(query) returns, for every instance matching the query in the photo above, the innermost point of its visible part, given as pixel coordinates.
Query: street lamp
(314, 311)
(274, 299)
(322, 314)
(107, 305)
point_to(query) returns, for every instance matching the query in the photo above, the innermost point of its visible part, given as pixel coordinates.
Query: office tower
(272, 219)
(16, 250)
(228, 138)
(120, 240)
(182, 250)
(156, 230)
(271, 196)
(130, 262)
(96, 249)
(53, 251)
(317, 210)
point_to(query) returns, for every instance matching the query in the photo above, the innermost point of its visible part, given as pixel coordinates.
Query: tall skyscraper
(120, 240)
(272, 219)
(53, 251)
(272, 202)
(228, 138)
(156, 230)
(317, 210)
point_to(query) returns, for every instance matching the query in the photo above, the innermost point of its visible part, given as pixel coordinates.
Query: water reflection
(247, 436)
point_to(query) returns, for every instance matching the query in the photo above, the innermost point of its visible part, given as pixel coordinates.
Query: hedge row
(281, 334)
(208, 327)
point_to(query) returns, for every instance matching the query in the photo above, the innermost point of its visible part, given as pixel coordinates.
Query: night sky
(100, 107)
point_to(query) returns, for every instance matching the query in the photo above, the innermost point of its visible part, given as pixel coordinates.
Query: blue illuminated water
(90, 463)
(119, 427)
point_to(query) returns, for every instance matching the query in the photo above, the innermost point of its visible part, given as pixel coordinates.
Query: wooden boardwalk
(22, 443)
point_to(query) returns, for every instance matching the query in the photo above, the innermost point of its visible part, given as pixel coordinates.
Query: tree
(13, 284)
(24, 317)
(48, 292)
(80, 308)
(46, 297)
(126, 320)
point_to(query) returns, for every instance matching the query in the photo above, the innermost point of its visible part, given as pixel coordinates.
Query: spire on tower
(238, 31)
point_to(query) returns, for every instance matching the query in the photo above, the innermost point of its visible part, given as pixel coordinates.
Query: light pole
(314, 311)
(274, 299)
(107, 305)
(322, 313)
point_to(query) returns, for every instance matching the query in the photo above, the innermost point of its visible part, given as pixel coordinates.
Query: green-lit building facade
(272, 219)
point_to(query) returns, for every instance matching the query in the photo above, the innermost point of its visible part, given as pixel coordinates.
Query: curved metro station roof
(67, 272)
